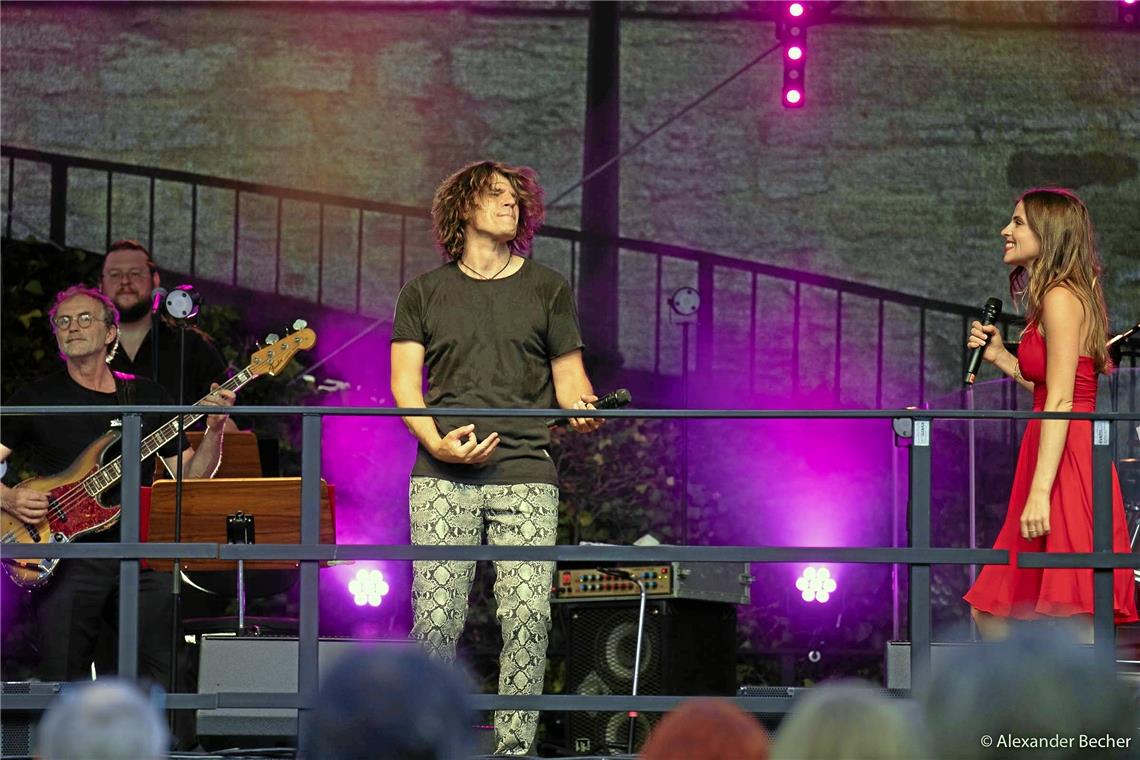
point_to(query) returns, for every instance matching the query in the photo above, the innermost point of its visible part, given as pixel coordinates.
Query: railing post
(57, 230)
(796, 341)
(919, 519)
(705, 312)
(1104, 635)
(11, 197)
(309, 624)
(922, 356)
(129, 534)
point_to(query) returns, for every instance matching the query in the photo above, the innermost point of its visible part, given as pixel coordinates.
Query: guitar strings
(77, 495)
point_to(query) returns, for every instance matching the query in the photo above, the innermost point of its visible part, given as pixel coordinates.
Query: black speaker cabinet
(259, 664)
(18, 727)
(688, 647)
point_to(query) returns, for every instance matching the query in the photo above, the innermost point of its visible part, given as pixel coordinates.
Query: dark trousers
(81, 604)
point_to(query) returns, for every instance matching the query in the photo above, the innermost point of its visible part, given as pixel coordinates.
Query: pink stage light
(792, 32)
(1128, 13)
(816, 585)
(368, 587)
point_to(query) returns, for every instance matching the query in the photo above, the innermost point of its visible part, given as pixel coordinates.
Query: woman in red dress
(1049, 244)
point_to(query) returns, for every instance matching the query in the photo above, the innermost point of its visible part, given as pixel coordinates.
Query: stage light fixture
(791, 30)
(816, 584)
(1128, 12)
(368, 587)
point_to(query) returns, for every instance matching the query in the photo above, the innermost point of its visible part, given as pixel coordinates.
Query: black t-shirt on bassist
(51, 442)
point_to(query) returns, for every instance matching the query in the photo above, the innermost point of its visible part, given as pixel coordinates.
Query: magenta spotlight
(791, 30)
(1128, 12)
(816, 584)
(368, 587)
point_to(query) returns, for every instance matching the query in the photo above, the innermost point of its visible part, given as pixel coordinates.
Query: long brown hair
(456, 195)
(1068, 258)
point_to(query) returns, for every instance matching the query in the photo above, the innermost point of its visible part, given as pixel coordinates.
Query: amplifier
(18, 727)
(707, 581)
(260, 663)
(780, 699)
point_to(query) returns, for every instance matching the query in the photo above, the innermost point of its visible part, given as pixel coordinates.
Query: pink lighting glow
(796, 10)
(816, 585)
(1130, 2)
(795, 52)
(793, 96)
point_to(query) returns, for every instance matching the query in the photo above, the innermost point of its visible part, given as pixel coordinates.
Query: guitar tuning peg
(300, 324)
(272, 338)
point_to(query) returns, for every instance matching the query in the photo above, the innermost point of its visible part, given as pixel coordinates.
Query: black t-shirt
(53, 441)
(204, 364)
(489, 343)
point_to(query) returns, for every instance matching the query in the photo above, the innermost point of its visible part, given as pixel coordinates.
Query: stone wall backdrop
(923, 119)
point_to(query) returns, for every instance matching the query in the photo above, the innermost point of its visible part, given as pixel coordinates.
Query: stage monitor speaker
(688, 647)
(259, 664)
(18, 727)
(941, 655)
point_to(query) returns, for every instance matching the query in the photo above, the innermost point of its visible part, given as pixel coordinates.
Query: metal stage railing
(728, 334)
(919, 555)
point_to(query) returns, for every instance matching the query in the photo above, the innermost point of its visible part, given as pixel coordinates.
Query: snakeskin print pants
(448, 513)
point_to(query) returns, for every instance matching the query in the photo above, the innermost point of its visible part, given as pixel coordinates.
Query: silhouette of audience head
(106, 719)
(392, 702)
(850, 720)
(1037, 684)
(707, 728)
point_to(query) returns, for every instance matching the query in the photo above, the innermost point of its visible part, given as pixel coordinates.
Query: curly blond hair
(456, 196)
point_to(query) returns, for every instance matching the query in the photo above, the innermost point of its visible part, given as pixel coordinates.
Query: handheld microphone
(156, 297)
(615, 400)
(989, 315)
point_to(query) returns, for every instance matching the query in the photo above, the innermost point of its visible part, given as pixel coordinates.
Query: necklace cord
(510, 258)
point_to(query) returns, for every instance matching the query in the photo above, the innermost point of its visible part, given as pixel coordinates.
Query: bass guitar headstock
(273, 357)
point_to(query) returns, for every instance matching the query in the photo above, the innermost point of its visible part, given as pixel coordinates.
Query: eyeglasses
(132, 274)
(63, 321)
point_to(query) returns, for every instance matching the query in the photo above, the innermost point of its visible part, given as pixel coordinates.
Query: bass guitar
(76, 496)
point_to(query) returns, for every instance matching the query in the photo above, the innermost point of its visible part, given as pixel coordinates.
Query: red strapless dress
(1029, 593)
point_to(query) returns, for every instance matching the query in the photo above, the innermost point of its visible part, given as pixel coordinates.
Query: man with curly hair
(497, 330)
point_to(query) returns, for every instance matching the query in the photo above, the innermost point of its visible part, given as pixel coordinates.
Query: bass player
(83, 593)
